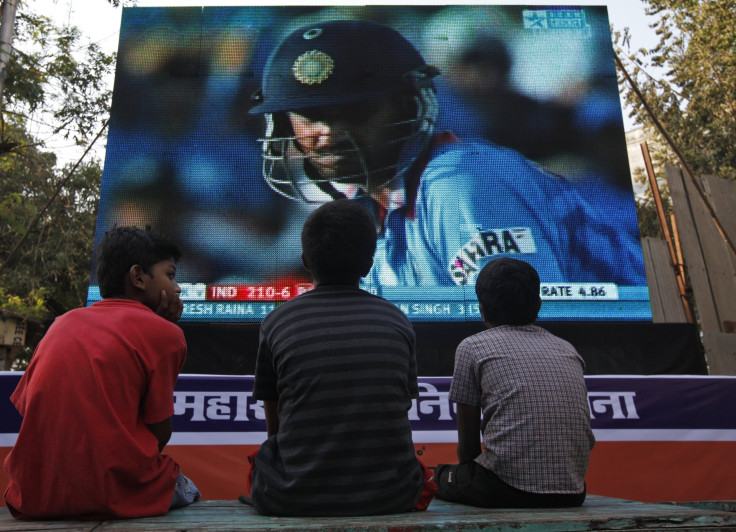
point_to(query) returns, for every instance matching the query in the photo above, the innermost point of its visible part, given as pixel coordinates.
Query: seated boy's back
(95, 400)
(336, 370)
(340, 363)
(529, 387)
(93, 453)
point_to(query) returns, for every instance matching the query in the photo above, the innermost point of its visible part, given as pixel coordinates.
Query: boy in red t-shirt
(97, 397)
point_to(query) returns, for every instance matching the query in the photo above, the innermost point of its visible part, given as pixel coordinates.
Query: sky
(100, 23)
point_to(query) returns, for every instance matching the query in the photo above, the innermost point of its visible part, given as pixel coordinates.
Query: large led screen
(513, 146)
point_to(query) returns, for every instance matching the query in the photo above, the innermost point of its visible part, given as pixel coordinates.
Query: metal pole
(6, 38)
(676, 264)
(654, 187)
(678, 245)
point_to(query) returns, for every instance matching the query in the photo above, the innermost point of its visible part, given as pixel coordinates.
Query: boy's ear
(136, 277)
(483, 316)
(304, 262)
(367, 267)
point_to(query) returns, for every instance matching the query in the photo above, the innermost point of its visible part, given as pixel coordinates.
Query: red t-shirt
(96, 379)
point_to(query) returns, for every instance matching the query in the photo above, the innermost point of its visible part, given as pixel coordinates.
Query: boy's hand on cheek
(170, 308)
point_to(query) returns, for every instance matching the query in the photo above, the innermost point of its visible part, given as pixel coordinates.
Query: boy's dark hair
(123, 247)
(338, 241)
(508, 289)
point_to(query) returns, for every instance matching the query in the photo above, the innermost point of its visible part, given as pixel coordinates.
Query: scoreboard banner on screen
(527, 159)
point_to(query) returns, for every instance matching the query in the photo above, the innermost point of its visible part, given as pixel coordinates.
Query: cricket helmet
(333, 63)
(336, 62)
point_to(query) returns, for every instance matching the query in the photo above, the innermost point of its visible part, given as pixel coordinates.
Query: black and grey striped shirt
(340, 363)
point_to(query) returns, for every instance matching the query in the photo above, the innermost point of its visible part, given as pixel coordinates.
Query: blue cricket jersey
(476, 201)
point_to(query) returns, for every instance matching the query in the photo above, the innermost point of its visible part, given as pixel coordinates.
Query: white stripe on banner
(217, 438)
(447, 436)
(256, 438)
(664, 434)
(434, 436)
(450, 436)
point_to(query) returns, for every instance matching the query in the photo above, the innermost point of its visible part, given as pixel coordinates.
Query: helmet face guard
(335, 63)
(288, 171)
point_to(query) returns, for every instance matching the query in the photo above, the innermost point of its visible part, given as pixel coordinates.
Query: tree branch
(59, 188)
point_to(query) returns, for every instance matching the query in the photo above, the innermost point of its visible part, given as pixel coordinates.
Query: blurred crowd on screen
(183, 155)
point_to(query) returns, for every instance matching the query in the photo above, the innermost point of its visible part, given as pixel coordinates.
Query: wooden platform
(598, 513)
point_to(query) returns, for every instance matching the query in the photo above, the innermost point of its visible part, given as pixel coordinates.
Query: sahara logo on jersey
(486, 242)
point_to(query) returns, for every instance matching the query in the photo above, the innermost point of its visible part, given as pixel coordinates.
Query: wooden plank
(722, 196)
(655, 297)
(691, 244)
(598, 513)
(720, 263)
(7, 523)
(725, 506)
(720, 353)
(663, 291)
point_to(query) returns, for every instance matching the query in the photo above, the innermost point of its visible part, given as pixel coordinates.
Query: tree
(49, 272)
(55, 83)
(689, 81)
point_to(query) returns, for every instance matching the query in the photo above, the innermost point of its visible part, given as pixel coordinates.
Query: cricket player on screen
(350, 109)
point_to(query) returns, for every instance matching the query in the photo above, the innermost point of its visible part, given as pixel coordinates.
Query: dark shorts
(472, 484)
(428, 489)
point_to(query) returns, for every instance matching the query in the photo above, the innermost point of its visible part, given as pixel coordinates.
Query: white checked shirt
(536, 419)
